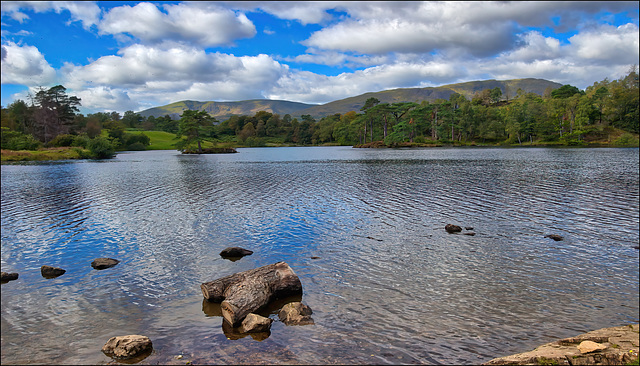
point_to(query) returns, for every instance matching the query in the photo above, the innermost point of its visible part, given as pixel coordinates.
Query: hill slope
(223, 110)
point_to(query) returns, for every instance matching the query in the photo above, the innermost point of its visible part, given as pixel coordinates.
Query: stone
(452, 228)
(104, 263)
(590, 346)
(255, 323)
(468, 228)
(128, 346)
(296, 313)
(235, 252)
(470, 234)
(554, 237)
(51, 272)
(5, 277)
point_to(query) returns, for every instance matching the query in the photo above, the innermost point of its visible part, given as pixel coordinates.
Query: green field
(161, 140)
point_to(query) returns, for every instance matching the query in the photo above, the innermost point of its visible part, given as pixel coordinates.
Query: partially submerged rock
(51, 272)
(6, 277)
(296, 313)
(235, 252)
(104, 263)
(607, 346)
(128, 346)
(255, 323)
(554, 237)
(450, 228)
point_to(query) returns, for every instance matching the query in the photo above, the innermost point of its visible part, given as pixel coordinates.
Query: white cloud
(25, 65)
(206, 25)
(608, 44)
(86, 12)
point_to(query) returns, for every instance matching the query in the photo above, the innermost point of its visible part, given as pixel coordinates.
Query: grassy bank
(45, 154)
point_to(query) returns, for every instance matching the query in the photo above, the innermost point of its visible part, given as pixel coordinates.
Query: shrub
(626, 139)
(14, 140)
(101, 148)
(81, 141)
(64, 140)
(140, 138)
(136, 146)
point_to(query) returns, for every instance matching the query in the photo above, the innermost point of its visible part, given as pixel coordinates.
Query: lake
(389, 286)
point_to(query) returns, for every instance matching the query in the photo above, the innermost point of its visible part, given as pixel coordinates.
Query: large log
(245, 292)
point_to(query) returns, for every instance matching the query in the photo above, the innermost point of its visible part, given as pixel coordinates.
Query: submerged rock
(104, 263)
(5, 276)
(296, 313)
(51, 272)
(452, 228)
(127, 346)
(235, 252)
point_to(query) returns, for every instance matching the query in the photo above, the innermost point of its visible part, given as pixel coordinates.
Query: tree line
(566, 115)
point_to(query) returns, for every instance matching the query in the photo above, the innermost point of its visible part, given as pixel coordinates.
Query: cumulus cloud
(608, 44)
(86, 12)
(25, 65)
(205, 25)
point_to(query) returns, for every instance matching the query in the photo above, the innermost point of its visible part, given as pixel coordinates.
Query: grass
(161, 140)
(44, 154)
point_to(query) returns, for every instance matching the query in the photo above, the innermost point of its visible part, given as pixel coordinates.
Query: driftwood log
(245, 292)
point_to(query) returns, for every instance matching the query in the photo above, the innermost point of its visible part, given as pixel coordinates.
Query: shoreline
(618, 346)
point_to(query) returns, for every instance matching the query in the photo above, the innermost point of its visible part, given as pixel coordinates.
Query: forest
(606, 113)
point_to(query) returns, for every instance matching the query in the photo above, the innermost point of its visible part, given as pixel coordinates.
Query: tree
(54, 113)
(131, 119)
(194, 126)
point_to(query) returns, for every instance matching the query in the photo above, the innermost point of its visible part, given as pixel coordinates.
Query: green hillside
(223, 110)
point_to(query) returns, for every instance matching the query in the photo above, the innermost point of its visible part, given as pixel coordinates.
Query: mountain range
(224, 110)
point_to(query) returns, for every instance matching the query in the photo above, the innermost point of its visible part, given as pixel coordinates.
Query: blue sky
(119, 56)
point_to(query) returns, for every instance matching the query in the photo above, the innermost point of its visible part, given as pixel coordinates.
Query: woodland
(605, 113)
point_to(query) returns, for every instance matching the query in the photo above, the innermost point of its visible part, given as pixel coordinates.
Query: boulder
(296, 313)
(51, 272)
(452, 228)
(5, 277)
(127, 346)
(104, 263)
(590, 346)
(255, 323)
(554, 237)
(235, 252)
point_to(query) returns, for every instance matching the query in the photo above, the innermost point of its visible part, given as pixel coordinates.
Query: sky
(121, 55)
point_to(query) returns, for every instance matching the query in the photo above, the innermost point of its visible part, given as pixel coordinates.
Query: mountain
(223, 110)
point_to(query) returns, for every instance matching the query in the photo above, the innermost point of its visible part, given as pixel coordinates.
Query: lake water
(390, 285)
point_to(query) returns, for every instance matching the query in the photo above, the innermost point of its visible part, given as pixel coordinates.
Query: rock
(315, 257)
(51, 272)
(470, 234)
(615, 346)
(235, 252)
(468, 228)
(104, 263)
(127, 346)
(554, 237)
(452, 228)
(6, 277)
(590, 346)
(255, 323)
(296, 313)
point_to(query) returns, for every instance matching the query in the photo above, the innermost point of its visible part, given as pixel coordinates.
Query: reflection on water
(387, 284)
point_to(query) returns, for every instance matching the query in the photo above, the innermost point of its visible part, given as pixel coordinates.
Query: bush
(81, 141)
(136, 146)
(61, 141)
(626, 139)
(101, 148)
(14, 140)
(140, 138)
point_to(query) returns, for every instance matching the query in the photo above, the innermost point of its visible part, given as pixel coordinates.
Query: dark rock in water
(104, 263)
(554, 237)
(235, 252)
(296, 313)
(128, 346)
(6, 277)
(468, 228)
(51, 272)
(470, 234)
(315, 257)
(452, 228)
